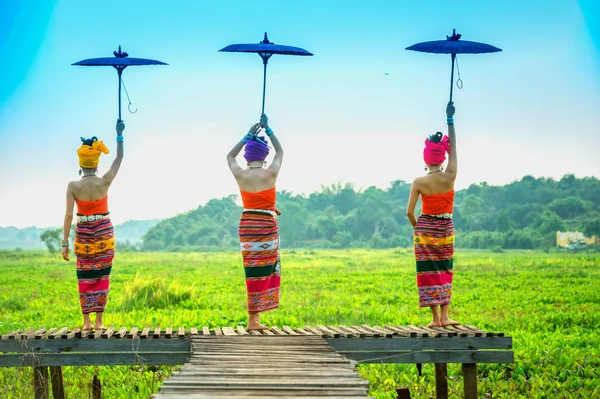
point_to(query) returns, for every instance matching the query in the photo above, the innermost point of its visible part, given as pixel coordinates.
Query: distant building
(564, 238)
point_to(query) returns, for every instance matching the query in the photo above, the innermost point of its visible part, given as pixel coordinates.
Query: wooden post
(403, 393)
(96, 388)
(469, 371)
(40, 382)
(58, 387)
(441, 381)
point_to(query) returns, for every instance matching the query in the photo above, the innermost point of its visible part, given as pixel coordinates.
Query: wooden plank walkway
(248, 366)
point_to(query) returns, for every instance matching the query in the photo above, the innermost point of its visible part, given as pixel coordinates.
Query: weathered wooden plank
(341, 333)
(302, 331)
(72, 334)
(458, 332)
(403, 343)
(475, 331)
(218, 331)
(277, 331)
(327, 332)
(313, 330)
(59, 333)
(193, 331)
(122, 333)
(81, 345)
(374, 330)
(205, 330)
(108, 333)
(255, 332)
(351, 330)
(168, 333)
(37, 334)
(94, 359)
(157, 333)
(469, 371)
(133, 333)
(272, 383)
(10, 335)
(367, 333)
(181, 332)
(85, 333)
(289, 331)
(212, 392)
(241, 331)
(420, 332)
(96, 334)
(145, 332)
(267, 332)
(459, 356)
(229, 331)
(402, 332)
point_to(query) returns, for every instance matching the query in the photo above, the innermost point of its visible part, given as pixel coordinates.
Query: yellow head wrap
(89, 155)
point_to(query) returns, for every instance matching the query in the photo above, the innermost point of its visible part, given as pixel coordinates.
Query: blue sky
(357, 111)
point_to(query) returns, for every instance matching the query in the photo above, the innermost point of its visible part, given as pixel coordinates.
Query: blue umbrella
(453, 45)
(120, 61)
(265, 49)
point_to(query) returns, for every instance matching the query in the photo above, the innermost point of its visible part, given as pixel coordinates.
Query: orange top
(436, 204)
(96, 207)
(261, 200)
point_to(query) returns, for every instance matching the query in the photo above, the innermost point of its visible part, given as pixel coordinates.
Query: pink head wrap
(435, 153)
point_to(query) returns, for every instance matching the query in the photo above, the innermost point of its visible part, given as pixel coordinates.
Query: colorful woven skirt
(95, 249)
(434, 252)
(259, 241)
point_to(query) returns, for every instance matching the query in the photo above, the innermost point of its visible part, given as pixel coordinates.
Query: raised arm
(412, 203)
(452, 167)
(114, 168)
(232, 155)
(278, 159)
(67, 222)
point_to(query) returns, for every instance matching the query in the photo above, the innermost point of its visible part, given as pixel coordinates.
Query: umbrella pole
(119, 71)
(452, 77)
(265, 60)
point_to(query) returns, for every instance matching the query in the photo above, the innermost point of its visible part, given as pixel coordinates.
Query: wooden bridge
(232, 362)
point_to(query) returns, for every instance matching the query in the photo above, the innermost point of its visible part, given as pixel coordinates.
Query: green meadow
(548, 302)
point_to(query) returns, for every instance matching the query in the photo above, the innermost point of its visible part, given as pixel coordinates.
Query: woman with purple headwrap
(434, 229)
(259, 234)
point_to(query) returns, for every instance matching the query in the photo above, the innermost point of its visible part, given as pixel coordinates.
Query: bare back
(256, 180)
(89, 188)
(435, 183)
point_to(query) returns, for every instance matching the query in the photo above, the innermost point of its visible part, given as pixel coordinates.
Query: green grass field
(548, 303)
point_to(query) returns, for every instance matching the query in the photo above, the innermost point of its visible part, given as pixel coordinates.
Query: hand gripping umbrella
(453, 45)
(265, 49)
(120, 61)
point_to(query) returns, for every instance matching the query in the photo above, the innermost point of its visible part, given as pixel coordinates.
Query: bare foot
(100, 328)
(256, 326)
(87, 327)
(434, 324)
(449, 322)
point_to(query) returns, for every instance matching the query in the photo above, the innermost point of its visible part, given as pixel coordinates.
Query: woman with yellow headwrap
(94, 244)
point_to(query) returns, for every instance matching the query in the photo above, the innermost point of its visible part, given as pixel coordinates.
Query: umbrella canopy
(453, 45)
(265, 49)
(120, 61)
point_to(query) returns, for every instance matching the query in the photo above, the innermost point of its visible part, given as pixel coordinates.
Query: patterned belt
(91, 218)
(440, 216)
(272, 213)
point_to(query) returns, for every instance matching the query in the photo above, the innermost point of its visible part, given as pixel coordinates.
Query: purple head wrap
(256, 149)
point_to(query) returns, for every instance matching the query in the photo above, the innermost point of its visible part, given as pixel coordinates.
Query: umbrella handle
(452, 76)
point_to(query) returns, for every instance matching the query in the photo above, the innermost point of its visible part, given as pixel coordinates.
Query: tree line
(523, 214)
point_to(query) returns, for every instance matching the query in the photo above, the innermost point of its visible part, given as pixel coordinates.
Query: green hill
(523, 214)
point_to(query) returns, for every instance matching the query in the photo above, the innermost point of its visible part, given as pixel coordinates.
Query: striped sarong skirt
(434, 253)
(95, 249)
(259, 242)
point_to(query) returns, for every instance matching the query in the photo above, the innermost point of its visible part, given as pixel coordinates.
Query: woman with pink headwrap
(434, 229)
(258, 231)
